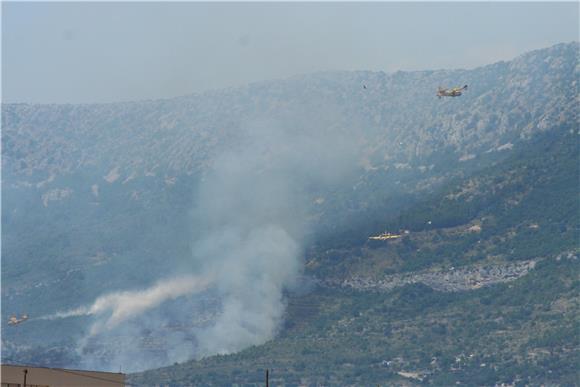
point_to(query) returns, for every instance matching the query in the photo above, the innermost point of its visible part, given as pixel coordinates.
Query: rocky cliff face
(86, 179)
(397, 118)
(97, 197)
(452, 280)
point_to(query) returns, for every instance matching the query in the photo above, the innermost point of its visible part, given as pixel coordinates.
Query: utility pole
(267, 377)
(25, 372)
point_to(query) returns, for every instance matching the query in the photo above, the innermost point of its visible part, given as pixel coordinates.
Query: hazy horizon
(113, 52)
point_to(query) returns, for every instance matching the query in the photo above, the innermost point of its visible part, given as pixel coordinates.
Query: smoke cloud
(254, 206)
(112, 309)
(252, 215)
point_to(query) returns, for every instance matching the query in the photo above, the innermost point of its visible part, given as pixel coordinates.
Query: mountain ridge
(97, 197)
(195, 127)
(441, 318)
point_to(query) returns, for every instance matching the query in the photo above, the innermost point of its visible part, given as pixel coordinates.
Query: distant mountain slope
(522, 332)
(99, 197)
(484, 294)
(522, 208)
(404, 138)
(397, 117)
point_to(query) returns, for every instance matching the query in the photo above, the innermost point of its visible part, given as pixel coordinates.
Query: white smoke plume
(80, 311)
(125, 305)
(254, 206)
(112, 309)
(251, 215)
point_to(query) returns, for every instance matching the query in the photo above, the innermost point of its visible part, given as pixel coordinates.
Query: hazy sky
(101, 52)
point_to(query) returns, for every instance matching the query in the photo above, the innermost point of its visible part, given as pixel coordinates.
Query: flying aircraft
(455, 92)
(15, 320)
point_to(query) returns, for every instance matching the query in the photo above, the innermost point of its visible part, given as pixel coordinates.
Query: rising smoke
(112, 309)
(252, 214)
(255, 206)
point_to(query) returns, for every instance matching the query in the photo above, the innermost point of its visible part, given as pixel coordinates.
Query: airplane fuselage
(455, 92)
(449, 94)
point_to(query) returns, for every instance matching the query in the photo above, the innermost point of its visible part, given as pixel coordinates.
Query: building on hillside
(13, 376)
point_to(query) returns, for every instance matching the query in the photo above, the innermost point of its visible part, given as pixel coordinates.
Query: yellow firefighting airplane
(15, 320)
(455, 92)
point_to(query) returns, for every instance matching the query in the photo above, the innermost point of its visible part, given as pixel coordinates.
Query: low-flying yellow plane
(13, 320)
(454, 92)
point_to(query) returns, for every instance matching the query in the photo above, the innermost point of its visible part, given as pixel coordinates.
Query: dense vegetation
(522, 208)
(98, 198)
(522, 332)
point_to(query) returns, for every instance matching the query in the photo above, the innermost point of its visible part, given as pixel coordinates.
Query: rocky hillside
(99, 197)
(489, 299)
(517, 333)
(397, 118)
(442, 280)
